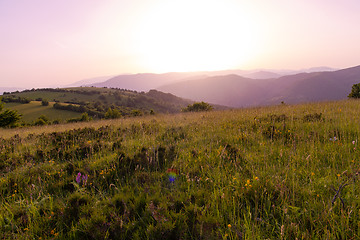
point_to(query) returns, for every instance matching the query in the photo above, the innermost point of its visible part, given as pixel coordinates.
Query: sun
(194, 35)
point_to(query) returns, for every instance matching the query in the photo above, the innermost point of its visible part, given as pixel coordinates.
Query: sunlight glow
(192, 35)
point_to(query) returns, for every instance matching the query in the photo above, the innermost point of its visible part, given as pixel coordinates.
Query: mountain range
(241, 88)
(237, 91)
(148, 81)
(238, 88)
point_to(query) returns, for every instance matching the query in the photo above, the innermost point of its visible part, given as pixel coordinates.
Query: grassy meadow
(280, 172)
(32, 111)
(68, 104)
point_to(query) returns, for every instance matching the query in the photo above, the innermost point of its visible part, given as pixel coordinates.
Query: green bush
(8, 118)
(112, 114)
(198, 107)
(44, 102)
(355, 91)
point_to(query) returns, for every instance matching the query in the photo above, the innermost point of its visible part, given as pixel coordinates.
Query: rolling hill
(142, 81)
(236, 91)
(148, 81)
(223, 90)
(67, 103)
(32, 111)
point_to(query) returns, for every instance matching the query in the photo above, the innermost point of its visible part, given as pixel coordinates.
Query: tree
(85, 117)
(198, 107)
(45, 102)
(42, 120)
(355, 91)
(112, 114)
(8, 118)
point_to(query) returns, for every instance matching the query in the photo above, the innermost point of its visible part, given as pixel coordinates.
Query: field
(32, 111)
(96, 102)
(281, 172)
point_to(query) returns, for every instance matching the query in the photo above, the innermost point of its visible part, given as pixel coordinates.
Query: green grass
(66, 96)
(33, 110)
(95, 102)
(259, 173)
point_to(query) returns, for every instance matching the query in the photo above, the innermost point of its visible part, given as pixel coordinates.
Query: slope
(236, 91)
(94, 101)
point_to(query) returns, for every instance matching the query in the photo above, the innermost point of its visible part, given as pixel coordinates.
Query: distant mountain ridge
(236, 91)
(147, 81)
(142, 81)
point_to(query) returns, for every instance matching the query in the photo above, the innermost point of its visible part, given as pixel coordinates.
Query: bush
(355, 91)
(112, 114)
(198, 107)
(45, 102)
(42, 120)
(8, 118)
(13, 98)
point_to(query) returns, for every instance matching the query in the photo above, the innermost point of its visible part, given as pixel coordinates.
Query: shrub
(42, 120)
(112, 114)
(198, 107)
(355, 91)
(45, 102)
(8, 118)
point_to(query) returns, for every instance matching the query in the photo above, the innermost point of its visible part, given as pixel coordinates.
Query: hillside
(142, 81)
(280, 172)
(320, 86)
(236, 91)
(32, 111)
(224, 90)
(94, 101)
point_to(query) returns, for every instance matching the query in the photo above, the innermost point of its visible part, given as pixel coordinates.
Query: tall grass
(281, 172)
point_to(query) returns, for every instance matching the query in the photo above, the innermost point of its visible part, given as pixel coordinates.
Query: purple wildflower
(84, 179)
(78, 178)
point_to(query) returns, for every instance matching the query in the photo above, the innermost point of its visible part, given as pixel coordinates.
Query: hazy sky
(52, 42)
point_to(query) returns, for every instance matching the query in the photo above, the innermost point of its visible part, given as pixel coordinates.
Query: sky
(52, 43)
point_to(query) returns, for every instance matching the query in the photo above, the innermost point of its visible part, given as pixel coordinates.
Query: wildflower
(312, 174)
(353, 142)
(78, 178)
(334, 139)
(229, 225)
(256, 178)
(84, 179)
(172, 174)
